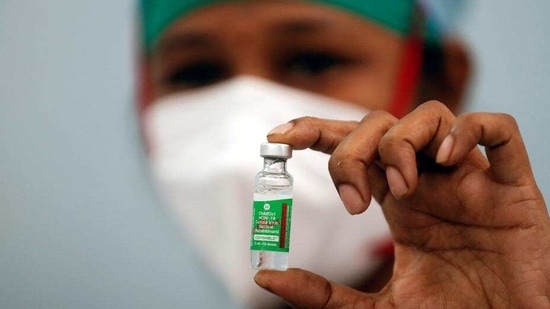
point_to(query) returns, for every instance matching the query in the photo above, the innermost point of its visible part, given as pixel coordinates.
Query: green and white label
(271, 225)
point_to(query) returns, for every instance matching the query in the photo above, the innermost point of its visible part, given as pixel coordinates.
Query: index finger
(309, 132)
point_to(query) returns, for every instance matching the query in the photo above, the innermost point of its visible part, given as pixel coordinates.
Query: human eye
(195, 75)
(313, 63)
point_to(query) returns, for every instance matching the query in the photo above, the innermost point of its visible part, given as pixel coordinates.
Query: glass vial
(272, 209)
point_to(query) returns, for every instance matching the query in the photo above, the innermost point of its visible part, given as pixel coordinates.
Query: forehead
(270, 18)
(261, 10)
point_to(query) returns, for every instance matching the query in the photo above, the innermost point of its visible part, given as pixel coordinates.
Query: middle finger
(352, 164)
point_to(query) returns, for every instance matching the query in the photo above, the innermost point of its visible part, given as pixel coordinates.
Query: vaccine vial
(272, 209)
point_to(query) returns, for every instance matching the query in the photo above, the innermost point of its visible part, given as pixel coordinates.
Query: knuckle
(508, 121)
(306, 120)
(467, 120)
(505, 121)
(379, 115)
(333, 163)
(435, 104)
(337, 163)
(389, 142)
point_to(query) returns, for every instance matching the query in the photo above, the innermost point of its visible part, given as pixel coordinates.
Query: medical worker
(218, 75)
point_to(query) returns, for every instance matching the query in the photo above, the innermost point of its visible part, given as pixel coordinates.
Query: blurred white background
(79, 225)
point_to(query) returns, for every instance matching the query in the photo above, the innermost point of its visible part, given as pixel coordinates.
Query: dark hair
(434, 82)
(433, 60)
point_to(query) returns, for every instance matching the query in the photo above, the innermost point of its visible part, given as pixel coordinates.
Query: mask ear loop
(408, 77)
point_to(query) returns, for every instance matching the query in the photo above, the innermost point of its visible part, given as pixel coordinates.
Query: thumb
(303, 289)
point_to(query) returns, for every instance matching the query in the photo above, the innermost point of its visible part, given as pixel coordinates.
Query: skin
(470, 232)
(301, 45)
(297, 44)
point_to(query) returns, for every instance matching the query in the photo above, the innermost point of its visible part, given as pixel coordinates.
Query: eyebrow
(197, 39)
(186, 40)
(301, 26)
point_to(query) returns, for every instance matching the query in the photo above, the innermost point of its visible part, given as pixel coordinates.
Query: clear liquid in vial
(272, 187)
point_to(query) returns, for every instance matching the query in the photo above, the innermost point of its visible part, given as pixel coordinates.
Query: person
(456, 219)
(469, 231)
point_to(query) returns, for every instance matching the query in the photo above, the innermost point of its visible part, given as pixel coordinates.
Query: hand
(469, 231)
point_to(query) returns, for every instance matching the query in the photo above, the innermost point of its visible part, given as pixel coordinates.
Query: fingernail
(397, 183)
(281, 129)
(351, 198)
(445, 149)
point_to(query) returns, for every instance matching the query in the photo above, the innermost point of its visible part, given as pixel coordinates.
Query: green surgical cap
(157, 15)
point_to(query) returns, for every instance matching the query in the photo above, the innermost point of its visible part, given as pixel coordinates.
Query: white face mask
(205, 153)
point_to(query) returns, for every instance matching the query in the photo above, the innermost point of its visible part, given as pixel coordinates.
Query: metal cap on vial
(275, 150)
